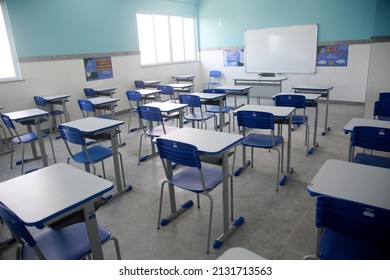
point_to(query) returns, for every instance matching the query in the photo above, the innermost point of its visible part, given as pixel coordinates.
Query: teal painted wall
(337, 19)
(61, 27)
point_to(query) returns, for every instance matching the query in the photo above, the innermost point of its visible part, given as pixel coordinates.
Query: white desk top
(238, 253)
(55, 97)
(167, 106)
(103, 100)
(146, 92)
(277, 111)
(365, 122)
(308, 96)
(313, 87)
(92, 125)
(151, 82)
(234, 88)
(26, 114)
(262, 79)
(42, 195)
(180, 86)
(356, 182)
(183, 76)
(209, 96)
(104, 89)
(207, 141)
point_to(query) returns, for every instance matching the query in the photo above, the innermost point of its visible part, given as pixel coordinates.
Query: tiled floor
(278, 225)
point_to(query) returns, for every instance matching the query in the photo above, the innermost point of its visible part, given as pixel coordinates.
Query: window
(166, 39)
(9, 68)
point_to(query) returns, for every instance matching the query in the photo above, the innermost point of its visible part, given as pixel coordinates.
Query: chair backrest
(7, 121)
(191, 100)
(16, 225)
(71, 135)
(90, 92)
(255, 120)
(139, 84)
(215, 74)
(133, 95)
(382, 109)
(355, 220)
(180, 153)
(384, 95)
(86, 106)
(290, 100)
(373, 138)
(166, 90)
(40, 101)
(214, 90)
(149, 113)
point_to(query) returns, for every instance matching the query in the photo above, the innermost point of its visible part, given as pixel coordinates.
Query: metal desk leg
(289, 169)
(315, 144)
(93, 232)
(326, 128)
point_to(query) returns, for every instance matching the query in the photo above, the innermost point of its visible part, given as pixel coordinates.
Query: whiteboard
(288, 49)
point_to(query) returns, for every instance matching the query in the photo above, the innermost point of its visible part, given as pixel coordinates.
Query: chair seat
(215, 109)
(25, 138)
(372, 160)
(96, 153)
(69, 243)
(198, 116)
(299, 119)
(189, 179)
(261, 140)
(335, 246)
(158, 130)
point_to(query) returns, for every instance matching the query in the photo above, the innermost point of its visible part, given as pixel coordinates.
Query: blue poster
(98, 68)
(332, 55)
(234, 57)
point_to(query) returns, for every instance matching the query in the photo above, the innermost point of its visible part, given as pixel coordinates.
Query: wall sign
(98, 68)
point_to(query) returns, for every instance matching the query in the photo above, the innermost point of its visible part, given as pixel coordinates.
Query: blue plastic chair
(69, 243)
(299, 102)
(141, 85)
(260, 120)
(197, 114)
(374, 139)
(90, 93)
(349, 230)
(167, 90)
(193, 177)
(22, 139)
(42, 104)
(384, 95)
(382, 110)
(133, 96)
(214, 79)
(215, 105)
(89, 155)
(152, 123)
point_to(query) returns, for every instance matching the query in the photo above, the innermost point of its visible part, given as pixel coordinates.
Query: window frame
(171, 47)
(4, 16)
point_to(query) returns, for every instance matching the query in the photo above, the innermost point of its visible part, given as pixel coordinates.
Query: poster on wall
(233, 57)
(98, 68)
(336, 55)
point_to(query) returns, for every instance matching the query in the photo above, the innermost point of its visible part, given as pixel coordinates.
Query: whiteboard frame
(299, 57)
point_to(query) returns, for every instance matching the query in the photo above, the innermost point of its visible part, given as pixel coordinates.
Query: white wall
(378, 75)
(349, 82)
(68, 77)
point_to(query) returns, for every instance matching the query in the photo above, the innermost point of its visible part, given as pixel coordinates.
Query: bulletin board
(98, 68)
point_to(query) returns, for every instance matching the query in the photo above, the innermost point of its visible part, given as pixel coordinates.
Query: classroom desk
(312, 100)
(148, 92)
(261, 81)
(209, 97)
(51, 193)
(169, 108)
(238, 253)
(348, 128)
(324, 91)
(94, 126)
(182, 87)
(237, 91)
(220, 145)
(151, 83)
(184, 78)
(98, 102)
(32, 115)
(282, 115)
(58, 100)
(105, 91)
(352, 181)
